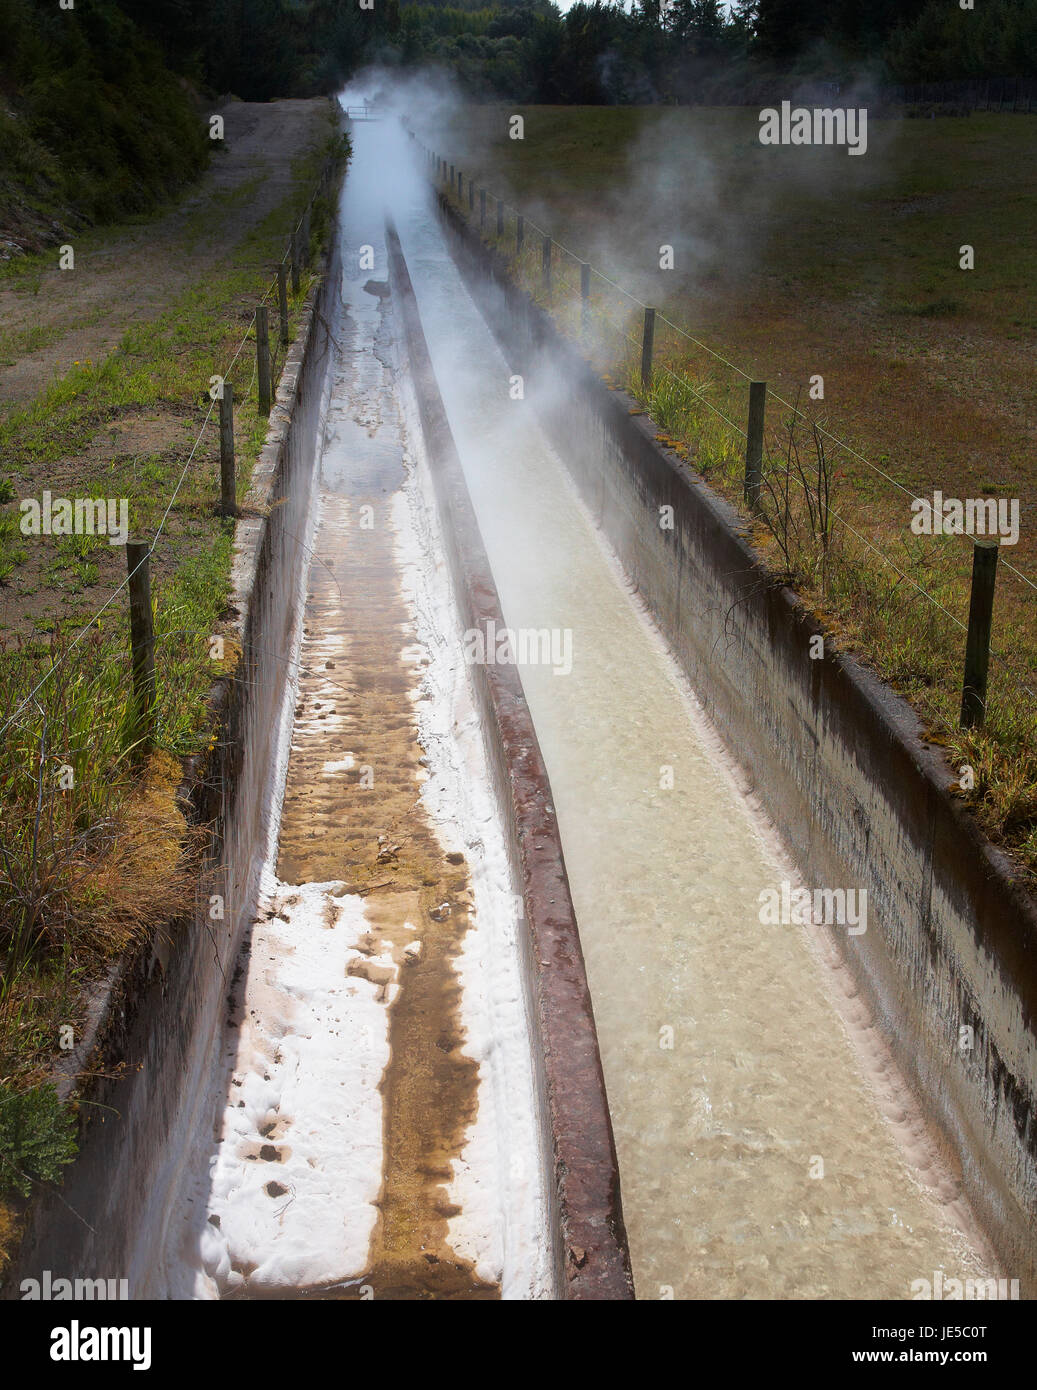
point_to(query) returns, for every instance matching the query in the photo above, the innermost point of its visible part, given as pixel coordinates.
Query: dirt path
(131, 273)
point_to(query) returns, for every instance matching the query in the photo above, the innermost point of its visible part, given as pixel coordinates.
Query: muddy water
(352, 809)
(767, 1147)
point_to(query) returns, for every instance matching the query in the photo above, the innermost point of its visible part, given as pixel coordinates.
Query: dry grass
(927, 407)
(146, 872)
(10, 1231)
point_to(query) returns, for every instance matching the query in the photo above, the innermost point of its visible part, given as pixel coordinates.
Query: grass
(794, 264)
(27, 340)
(94, 850)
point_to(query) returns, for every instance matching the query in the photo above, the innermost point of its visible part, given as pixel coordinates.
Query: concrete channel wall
(154, 1023)
(838, 763)
(586, 1221)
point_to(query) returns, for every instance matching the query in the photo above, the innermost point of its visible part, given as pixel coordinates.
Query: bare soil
(127, 274)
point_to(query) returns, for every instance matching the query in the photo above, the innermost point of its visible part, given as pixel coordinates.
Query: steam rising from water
(718, 1134)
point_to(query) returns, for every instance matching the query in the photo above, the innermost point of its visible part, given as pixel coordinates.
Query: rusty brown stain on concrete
(364, 826)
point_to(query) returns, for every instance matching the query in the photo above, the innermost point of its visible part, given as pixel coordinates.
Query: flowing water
(374, 1111)
(767, 1148)
(374, 1125)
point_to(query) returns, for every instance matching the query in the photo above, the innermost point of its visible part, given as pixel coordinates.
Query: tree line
(102, 100)
(700, 50)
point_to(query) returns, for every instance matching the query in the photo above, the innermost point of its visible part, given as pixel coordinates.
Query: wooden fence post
(142, 642)
(754, 444)
(647, 348)
(500, 216)
(977, 644)
(282, 302)
(263, 359)
(228, 488)
(295, 262)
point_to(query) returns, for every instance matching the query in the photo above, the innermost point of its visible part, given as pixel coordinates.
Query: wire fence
(823, 502)
(296, 255)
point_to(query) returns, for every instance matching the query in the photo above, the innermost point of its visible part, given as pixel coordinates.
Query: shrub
(37, 1136)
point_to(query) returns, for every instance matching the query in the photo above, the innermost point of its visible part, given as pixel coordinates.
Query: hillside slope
(93, 124)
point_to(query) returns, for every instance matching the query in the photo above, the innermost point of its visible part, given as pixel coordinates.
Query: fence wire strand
(712, 352)
(684, 382)
(176, 491)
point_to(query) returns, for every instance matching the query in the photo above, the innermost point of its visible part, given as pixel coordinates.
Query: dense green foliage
(37, 1137)
(666, 50)
(687, 50)
(997, 39)
(95, 124)
(101, 116)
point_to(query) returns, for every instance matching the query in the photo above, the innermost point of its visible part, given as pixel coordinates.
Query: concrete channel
(493, 1012)
(769, 1144)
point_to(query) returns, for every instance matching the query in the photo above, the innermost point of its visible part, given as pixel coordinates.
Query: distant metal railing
(364, 113)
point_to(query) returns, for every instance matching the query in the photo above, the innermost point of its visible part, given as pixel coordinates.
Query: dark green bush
(37, 1136)
(97, 121)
